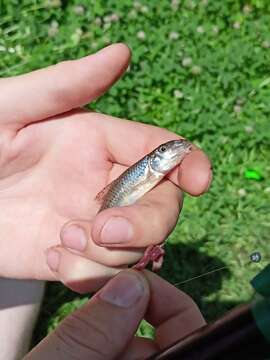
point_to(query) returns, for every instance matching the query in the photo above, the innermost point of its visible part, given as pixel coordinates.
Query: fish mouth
(188, 147)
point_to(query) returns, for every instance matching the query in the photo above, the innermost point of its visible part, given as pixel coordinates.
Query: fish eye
(162, 148)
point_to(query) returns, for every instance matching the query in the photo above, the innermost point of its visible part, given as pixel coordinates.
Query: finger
(77, 273)
(104, 327)
(127, 231)
(171, 322)
(62, 87)
(194, 174)
(76, 237)
(147, 222)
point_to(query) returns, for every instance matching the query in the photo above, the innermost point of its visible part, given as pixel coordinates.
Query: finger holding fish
(144, 175)
(129, 187)
(118, 235)
(136, 181)
(128, 141)
(194, 174)
(76, 238)
(148, 222)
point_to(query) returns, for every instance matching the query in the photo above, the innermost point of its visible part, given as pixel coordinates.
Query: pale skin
(103, 329)
(55, 157)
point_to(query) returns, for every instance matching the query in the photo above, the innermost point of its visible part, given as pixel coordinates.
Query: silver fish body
(145, 174)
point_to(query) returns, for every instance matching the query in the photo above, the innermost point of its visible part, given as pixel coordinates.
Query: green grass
(219, 98)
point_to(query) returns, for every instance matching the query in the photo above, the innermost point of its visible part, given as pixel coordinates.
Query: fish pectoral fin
(100, 196)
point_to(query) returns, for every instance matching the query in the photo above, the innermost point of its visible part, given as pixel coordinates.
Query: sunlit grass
(199, 68)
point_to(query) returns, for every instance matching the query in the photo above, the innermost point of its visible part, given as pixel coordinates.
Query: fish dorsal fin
(100, 196)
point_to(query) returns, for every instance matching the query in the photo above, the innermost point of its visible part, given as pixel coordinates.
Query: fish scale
(119, 193)
(138, 179)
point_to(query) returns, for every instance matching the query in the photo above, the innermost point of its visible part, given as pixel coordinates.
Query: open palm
(55, 158)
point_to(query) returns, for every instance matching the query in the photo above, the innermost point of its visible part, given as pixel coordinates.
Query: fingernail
(116, 230)
(53, 259)
(124, 290)
(74, 237)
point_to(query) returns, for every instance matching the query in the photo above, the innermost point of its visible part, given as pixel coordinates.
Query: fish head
(168, 155)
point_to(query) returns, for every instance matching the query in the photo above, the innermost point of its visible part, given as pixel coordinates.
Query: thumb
(59, 88)
(102, 328)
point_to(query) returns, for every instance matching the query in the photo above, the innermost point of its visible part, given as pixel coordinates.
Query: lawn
(201, 69)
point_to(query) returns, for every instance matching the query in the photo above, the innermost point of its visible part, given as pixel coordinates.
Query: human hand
(104, 328)
(54, 160)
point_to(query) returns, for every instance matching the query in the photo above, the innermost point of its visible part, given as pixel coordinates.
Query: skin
(129, 297)
(55, 157)
(20, 302)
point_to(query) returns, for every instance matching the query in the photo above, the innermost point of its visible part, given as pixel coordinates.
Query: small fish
(138, 179)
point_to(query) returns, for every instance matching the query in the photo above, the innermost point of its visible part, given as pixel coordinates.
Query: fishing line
(200, 276)
(254, 257)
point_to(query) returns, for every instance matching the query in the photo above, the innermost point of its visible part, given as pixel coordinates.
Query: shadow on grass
(182, 263)
(197, 274)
